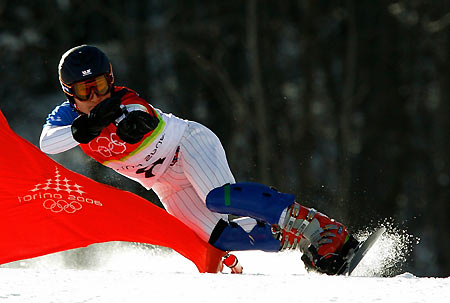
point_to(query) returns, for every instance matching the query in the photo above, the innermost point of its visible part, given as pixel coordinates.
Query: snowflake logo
(58, 185)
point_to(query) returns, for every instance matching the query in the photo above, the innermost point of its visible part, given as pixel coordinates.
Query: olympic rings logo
(62, 205)
(108, 146)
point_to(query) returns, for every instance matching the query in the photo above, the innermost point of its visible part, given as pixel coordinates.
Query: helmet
(81, 63)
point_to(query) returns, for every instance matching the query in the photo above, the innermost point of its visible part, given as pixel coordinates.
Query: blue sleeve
(62, 115)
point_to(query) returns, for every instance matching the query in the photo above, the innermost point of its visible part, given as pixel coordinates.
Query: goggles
(82, 90)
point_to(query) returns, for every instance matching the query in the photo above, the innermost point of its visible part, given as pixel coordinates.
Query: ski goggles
(82, 90)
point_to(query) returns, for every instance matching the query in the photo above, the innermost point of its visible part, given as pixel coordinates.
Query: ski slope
(126, 272)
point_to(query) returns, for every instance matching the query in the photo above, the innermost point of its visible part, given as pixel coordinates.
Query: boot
(324, 242)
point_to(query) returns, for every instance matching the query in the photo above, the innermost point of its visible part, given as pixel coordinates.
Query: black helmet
(81, 63)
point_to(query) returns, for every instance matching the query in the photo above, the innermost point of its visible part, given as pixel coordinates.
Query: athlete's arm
(56, 139)
(138, 120)
(56, 135)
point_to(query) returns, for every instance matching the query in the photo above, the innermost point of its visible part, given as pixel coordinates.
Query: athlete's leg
(181, 200)
(325, 241)
(203, 159)
(244, 234)
(249, 199)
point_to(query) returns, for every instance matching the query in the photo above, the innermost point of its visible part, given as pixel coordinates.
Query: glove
(87, 127)
(81, 130)
(135, 125)
(106, 111)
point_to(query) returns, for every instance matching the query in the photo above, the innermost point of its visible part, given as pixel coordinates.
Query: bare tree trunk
(238, 150)
(440, 154)
(346, 136)
(136, 50)
(257, 93)
(302, 135)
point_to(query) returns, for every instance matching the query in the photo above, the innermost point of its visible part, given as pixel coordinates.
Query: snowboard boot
(325, 243)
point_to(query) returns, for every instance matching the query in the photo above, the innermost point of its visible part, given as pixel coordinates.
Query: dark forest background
(343, 103)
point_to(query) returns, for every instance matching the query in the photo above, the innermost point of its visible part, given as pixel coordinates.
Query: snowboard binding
(345, 262)
(332, 263)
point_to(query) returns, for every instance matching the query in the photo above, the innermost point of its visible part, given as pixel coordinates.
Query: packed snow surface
(128, 272)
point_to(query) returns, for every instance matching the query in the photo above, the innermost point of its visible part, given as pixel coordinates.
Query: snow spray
(389, 255)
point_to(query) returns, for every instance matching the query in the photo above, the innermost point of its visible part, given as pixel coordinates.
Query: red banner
(45, 208)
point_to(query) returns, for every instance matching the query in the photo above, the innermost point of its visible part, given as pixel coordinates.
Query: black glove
(87, 127)
(106, 111)
(81, 130)
(135, 125)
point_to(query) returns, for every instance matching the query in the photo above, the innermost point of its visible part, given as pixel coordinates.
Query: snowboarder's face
(90, 92)
(86, 106)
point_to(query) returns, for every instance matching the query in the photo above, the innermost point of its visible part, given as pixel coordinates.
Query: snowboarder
(186, 166)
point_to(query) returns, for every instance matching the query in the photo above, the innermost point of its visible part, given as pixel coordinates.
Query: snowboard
(361, 251)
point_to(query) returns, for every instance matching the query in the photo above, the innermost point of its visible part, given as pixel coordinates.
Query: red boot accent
(304, 226)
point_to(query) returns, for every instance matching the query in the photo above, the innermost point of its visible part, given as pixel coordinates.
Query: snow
(128, 272)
